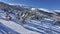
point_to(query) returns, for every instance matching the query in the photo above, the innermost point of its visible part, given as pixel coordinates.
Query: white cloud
(46, 10)
(57, 11)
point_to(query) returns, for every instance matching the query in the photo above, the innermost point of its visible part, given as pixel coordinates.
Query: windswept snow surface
(15, 26)
(30, 28)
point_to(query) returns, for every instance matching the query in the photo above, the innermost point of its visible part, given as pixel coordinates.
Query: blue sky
(48, 4)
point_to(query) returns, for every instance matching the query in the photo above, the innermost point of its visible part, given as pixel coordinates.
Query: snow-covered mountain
(20, 19)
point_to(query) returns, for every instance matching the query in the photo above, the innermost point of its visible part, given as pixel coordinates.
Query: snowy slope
(26, 28)
(15, 26)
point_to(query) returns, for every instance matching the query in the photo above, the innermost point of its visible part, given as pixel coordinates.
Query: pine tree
(18, 16)
(8, 16)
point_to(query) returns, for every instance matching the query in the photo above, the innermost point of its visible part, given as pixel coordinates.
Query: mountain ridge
(38, 11)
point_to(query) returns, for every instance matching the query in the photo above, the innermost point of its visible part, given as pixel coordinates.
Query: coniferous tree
(18, 16)
(8, 16)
